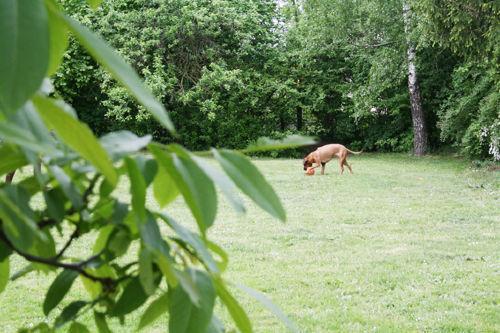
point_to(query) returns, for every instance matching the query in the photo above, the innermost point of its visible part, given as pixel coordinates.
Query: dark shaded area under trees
(232, 71)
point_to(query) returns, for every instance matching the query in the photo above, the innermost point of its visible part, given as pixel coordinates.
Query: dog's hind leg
(341, 164)
(348, 166)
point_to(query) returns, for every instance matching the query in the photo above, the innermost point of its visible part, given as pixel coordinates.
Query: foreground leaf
(77, 327)
(196, 188)
(76, 135)
(69, 313)
(67, 186)
(24, 51)
(194, 241)
(4, 272)
(13, 133)
(17, 218)
(121, 143)
(133, 296)
(120, 70)
(11, 159)
(154, 311)
(248, 178)
(185, 317)
(94, 3)
(137, 189)
(58, 289)
(270, 306)
(100, 323)
(146, 273)
(235, 310)
(291, 141)
(225, 184)
(58, 38)
(164, 189)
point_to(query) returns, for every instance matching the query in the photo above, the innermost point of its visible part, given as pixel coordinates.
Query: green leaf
(146, 273)
(121, 143)
(44, 249)
(17, 218)
(224, 258)
(164, 188)
(194, 241)
(94, 288)
(215, 326)
(196, 188)
(67, 186)
(137, 189)
(76, 327)
(94, 3)
(24, 56)
(270, 306)
(166, 265)
(119, 241)
(248, 178)
(30, 185)
(76, 135)
(225, 184)
(58, 37)
(11, 160)
(185, 316)
(120, 70)
(58, 289)
(54, 198)
(69, 313)
(13, 133)
(291, 141)
(5, 251)
(40, 328)
(4, 272)
(100, 322)
(187, 282)
(148, 167)
(151, 238)
(102, 239)
(235, 310)
(22, 272)
(28, 119)
(154, 311)
(133, 296)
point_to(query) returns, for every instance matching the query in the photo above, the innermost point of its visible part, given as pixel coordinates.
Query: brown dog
(325, 153)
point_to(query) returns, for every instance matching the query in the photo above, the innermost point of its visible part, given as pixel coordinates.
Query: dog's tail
(355, 152)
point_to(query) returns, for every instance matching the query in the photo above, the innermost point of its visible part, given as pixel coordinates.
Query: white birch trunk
(417, 112)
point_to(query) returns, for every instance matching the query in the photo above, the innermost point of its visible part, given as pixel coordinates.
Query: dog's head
(308, 162)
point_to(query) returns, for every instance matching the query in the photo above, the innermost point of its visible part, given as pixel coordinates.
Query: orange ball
(310, 171)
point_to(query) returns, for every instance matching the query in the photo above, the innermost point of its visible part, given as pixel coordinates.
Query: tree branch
(73, 236)
(372, 46)
(108, 283)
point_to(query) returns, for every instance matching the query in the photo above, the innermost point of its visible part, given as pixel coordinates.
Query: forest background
(230, 72)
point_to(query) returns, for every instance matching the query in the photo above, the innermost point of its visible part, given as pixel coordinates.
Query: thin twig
(78, 267)
(73, 236)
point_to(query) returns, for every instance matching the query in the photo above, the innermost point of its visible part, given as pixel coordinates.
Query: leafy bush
(470, 116)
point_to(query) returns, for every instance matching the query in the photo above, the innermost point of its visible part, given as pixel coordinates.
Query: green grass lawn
(403, 245)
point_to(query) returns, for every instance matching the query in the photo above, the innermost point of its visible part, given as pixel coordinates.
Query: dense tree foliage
(231, 71)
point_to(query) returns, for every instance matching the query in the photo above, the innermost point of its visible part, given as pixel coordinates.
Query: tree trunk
(299, 119)
(417, 112)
